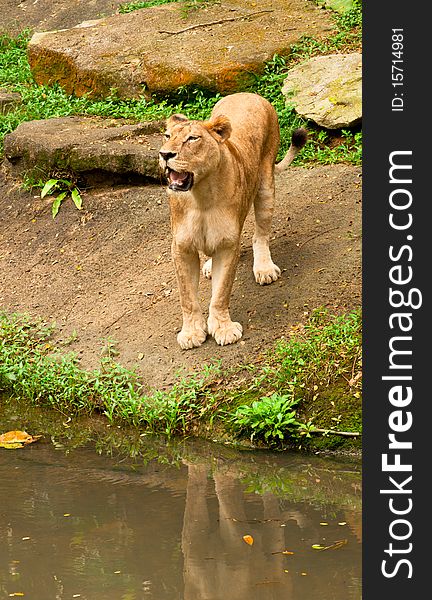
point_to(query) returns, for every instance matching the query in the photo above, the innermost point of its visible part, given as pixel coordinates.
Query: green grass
(318, 370)
(186, 8)
(324, 147)
(34, 368)
(295, 388)
(128, 7)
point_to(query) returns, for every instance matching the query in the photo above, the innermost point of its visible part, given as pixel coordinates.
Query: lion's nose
(167, 155)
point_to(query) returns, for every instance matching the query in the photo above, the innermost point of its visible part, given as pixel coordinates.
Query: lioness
(215, 170)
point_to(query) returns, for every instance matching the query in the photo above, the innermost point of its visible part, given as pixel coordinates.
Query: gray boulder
(327, 90)
(84, 145)
(219, 48)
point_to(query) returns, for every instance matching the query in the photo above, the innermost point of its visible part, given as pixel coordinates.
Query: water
(75, 523)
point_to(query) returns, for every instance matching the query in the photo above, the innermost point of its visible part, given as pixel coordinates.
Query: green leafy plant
(63, 188)
(128, 7)
(271, 418)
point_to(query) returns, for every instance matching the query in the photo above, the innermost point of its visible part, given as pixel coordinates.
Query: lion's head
(191, 149)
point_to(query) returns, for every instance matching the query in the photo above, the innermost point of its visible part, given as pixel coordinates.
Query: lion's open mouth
(179, 182)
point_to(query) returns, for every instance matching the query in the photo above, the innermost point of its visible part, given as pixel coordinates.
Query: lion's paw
(191, 338)
(225, 332)
(207, 268)
(267, 274)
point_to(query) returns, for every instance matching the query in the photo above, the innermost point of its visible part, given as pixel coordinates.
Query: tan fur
(232, 158)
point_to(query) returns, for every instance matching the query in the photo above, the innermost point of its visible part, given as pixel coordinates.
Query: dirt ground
(105, 272)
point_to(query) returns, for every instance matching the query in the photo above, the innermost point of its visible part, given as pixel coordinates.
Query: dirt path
(106, 272)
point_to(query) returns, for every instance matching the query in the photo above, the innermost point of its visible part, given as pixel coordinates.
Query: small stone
(8, 101)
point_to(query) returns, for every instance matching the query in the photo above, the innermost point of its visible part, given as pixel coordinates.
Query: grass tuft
(286, 396)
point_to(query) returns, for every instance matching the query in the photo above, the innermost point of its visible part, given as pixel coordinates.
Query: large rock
(84, 145)
(340, 6)
(42, 15)
(147, 51)
(327, 90)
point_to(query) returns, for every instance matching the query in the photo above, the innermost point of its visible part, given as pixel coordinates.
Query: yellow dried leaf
(334, 546)
(248, 539)
(16, 439)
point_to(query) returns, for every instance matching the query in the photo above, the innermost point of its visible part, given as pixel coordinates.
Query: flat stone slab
(218, 48)
(327, 90)
(84, 145)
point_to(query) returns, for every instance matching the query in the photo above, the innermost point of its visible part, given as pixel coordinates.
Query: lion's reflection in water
(280, 564)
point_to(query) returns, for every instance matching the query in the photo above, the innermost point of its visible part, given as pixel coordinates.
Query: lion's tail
(298, 140)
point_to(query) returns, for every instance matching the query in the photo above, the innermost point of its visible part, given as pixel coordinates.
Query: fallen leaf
(334, 546)
(11, 446)
(17, 439)
(248, 539)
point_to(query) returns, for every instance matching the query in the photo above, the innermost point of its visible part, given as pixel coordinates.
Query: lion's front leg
(187, 268)
(220, 326)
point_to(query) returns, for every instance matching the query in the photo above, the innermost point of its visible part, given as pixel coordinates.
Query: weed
(189, 6)
(137, 5)
(271, 419)
(186, 7)
(63, 187)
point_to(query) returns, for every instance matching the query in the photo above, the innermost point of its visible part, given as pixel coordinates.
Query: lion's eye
(193, 138)
(167, 136)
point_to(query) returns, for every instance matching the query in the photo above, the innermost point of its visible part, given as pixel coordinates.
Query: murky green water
(99, 525)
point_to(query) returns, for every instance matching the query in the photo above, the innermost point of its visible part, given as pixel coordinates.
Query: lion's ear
(220, 127)
(177, 118)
